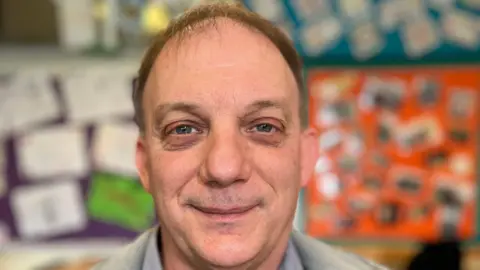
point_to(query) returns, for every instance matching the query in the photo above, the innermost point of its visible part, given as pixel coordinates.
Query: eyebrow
(260, 105)
(162, 110)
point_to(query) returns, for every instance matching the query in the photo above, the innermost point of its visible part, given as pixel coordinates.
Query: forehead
(221, 61)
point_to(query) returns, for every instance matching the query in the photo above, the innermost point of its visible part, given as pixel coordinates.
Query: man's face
(223, 154)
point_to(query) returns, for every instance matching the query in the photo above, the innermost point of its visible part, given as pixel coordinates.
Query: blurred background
(393, 88)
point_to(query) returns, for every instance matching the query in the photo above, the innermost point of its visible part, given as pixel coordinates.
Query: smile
(224, 214)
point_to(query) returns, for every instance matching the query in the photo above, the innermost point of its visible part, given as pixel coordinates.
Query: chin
(227, 251)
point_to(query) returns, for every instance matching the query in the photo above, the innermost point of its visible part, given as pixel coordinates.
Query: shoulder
(128, 258)
(318, 255)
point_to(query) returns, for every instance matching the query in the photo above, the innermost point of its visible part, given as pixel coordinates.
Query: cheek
(281, 173)
(170, 172)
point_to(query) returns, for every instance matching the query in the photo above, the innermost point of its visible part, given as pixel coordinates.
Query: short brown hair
(197, 18)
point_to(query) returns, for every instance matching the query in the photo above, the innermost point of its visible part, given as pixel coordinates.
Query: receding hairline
(216, 26)
(205, 18)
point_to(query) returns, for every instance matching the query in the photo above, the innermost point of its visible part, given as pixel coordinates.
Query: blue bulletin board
(373, 32)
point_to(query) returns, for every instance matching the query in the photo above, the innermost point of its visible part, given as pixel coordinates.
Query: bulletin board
(373, 32)
(67, 149)
(398, 153)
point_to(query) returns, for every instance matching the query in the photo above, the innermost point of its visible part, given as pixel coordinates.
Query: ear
(141, 161)
(309, 154)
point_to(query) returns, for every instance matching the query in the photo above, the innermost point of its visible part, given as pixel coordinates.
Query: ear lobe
(310, 154)
(141, 163)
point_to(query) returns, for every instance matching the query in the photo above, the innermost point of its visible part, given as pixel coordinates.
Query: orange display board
(397, 153)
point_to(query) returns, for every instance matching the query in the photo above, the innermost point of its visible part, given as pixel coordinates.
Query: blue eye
(184, 129)
(264, 128)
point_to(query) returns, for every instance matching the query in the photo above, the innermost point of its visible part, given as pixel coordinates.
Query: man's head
(223, 149)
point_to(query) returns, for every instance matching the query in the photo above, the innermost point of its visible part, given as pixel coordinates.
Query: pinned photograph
(420, 37)
(366, 41)
(270, 9)
(452, 190)
(413, 9)
(347, 164)
(47, 210)
(354, 144)
(323, 165)
(320, 36)
(388, 213)
(386, 128)
(323, 211)
(419, 133)
(355, 9)
(382, 93)
(361, 202)
(442, 5)
(459, 135)
(390, 14)
(407, 180)
(460, 28)
(436, 158)
(462, 103)
(330, 139)
(462, 164)
(329, 186)
(334, 88)
(309, 9)
(428, 91)
(326, 117)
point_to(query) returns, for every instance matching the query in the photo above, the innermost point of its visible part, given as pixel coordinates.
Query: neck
(270, 257)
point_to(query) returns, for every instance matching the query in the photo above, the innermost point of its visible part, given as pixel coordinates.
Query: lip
(224, 214)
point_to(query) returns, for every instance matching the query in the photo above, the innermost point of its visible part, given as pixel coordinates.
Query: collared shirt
(152, 260)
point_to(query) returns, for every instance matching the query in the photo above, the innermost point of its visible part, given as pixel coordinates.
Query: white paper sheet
(460, 28)
(355, 9)
(49, 209)
(319, 36)
(97, 95)
(114, 148)
(366, 41)
(53, 152)
(28, 100)
(390, 14)
(309, 9)
(270, 9)
(420, 36)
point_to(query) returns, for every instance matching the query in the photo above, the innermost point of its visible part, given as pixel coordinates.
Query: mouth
(224, 214)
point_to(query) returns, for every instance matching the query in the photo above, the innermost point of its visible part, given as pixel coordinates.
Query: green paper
(120, 200)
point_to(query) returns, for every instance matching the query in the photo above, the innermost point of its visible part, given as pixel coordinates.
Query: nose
(226, 161)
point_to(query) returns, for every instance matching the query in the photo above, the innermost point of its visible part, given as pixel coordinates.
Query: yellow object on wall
(100, 10)
(155, 17)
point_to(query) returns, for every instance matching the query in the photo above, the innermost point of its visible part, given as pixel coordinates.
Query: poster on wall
(397, 153)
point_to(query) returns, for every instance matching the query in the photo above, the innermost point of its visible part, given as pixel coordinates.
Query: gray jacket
(314, 254)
